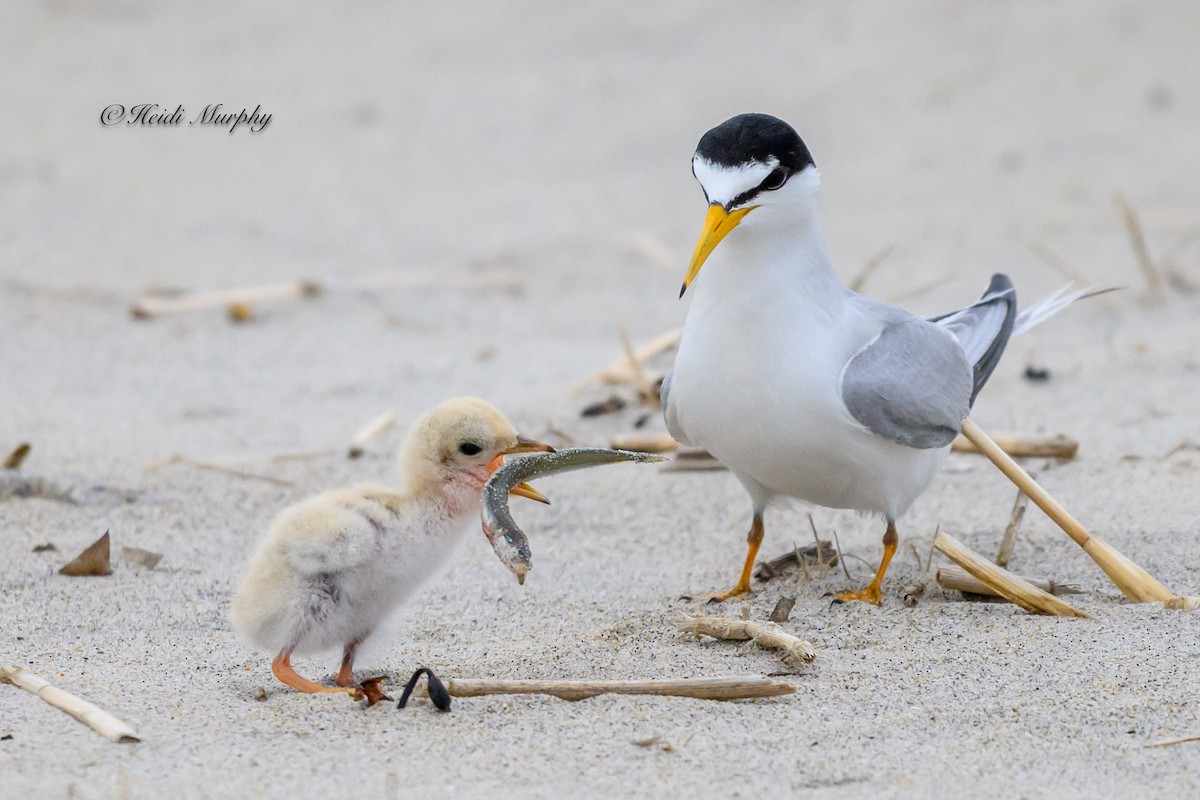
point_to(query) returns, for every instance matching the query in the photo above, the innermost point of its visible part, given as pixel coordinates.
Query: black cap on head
(754, 137)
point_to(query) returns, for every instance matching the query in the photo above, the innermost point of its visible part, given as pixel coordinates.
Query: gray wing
(664, 396)
(984, 328)
(912, 385)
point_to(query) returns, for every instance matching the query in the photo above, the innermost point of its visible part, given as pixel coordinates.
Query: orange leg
(754, 539)
(873, 593)
(369, 687)
(282, 667)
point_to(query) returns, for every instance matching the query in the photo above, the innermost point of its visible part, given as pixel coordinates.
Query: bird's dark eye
(470, 449)
(777, 178)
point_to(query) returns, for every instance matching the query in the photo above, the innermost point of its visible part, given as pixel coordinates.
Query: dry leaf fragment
(141, 558)
(92, 561)
(17, 456)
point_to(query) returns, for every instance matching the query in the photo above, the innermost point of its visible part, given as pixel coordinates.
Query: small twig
(14, 459)
(156, 306)
(376, 426)
(1057, 263)
(91, 715)
(1025, 445)
(1176, 740)
(764, 634)
(737, 688)
(1137, 238)
(1014, 525)
(1003, 582)
(838, 544)
(869, 267)
(820, 554)
(204, 465)
(1182, 603)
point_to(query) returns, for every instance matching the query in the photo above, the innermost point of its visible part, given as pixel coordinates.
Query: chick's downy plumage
(333, 566)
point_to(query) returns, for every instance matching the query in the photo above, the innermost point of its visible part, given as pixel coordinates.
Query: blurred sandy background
(550, 145)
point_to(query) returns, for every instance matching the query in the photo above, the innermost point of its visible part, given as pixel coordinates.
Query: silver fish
(506, 537)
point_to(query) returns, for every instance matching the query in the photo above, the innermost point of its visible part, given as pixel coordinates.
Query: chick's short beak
(526, 445)
(717, 226)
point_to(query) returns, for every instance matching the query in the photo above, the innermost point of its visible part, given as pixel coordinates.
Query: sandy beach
(487, 198)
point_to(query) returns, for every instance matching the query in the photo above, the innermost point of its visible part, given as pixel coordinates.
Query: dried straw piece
(647, 390)
(737, 688)
(1137, 238)
(820, 554)
(14, 459)
(645, 442)
(1182, 603)
(622, 371)
(210, 467)
(765, 634)
(1133, 581)
(693, 459)
(91, 715)
(91, 562)
(373, 428)
(1003, 582)
(1025, 445)
(959, 580)
(1176, 740)
(869, 267)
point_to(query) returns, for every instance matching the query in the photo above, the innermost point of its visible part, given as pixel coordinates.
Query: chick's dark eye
(470, 449)
(777, 178)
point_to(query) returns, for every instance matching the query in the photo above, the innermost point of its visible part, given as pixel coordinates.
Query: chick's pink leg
(345, 678)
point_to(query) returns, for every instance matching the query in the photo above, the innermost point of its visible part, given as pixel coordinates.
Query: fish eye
(777, 178)
(470, 449)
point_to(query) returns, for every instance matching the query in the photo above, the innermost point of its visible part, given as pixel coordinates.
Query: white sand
(545, 141)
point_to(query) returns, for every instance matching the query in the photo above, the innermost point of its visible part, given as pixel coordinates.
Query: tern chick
(332, 567)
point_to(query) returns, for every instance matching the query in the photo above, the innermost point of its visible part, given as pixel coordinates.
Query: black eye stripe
(775, 180)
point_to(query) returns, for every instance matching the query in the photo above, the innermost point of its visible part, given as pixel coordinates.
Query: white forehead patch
(722, 184)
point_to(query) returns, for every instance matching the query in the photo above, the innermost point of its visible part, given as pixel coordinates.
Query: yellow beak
(524, 445)
(717, 226)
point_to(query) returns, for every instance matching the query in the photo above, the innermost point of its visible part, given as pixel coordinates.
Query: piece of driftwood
(959, 580)
(16, 457)
(622, 372)
(767, 635)
(692, 459)
(783, 609)
(645, 442)
(1025, 445)
(1133, 581)
(373, 428)
(1003, 582)
(157, 306)
(735, 688)
(819, 554)
(1014, 525)
(91, 715)
(93, 561)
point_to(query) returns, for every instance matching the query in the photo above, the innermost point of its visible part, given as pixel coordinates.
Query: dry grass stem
(693, 459)
(91, 715)
(1133, 581)
(1003, 582)
(735, 688)
(16, 457)
(1057, 263)
(92, 562)
(764, 634)
(645, 389)
(157, 305)
(1182, 603)
(373, 428)
(959, 580)
(821, 554)
(1014, 525)
(1176, 740)
(1025, 445)
(621, 372)
(1137, 238)
(927, 287)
